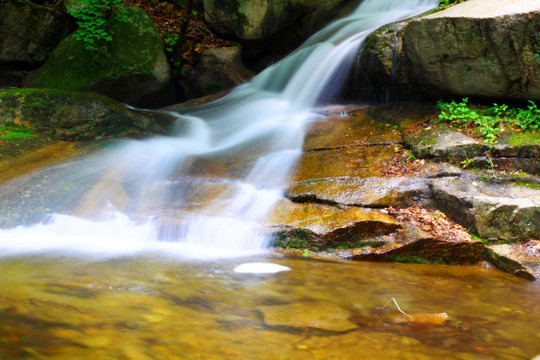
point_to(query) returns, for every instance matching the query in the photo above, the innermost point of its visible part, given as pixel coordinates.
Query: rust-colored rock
(368, 192)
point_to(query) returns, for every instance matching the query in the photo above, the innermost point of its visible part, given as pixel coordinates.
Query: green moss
(478, 238)
(237, 8)
(412, 259)
(295, 239)
(524, 138)
(134, 49)
(10, 133)
(529, 185)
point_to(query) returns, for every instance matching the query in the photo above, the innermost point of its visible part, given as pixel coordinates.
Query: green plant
(445, 4)
(491, 166)
(528, 118)
(170, 42)
(489, 122)
(91, 16)
(465, 163)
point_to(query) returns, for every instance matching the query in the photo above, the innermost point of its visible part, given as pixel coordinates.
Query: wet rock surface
(348, 179)
(358, 194)
(372, 192)
(324, 227)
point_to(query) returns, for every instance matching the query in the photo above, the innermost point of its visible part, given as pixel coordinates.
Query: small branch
(395, 302)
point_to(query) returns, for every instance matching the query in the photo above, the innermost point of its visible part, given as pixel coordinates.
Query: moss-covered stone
(76, 115)
(524, 138)
(131, 68)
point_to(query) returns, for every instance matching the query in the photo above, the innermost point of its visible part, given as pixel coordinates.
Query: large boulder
(218, 69)
(28, 34)
(131, 68)
(483, 48)
(259, 19)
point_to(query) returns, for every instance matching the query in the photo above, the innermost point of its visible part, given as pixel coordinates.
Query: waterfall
(172, 194)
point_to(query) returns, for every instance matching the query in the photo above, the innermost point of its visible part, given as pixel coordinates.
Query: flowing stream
(169, 194)
(89, 249)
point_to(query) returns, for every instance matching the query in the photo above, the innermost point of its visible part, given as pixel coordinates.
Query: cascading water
(157, 195)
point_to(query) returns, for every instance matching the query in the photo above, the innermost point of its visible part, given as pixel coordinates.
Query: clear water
(139, 196)
(159, 308)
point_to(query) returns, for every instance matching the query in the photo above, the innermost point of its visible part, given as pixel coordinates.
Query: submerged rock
(312, 315)
(131, 68)
(482, 48)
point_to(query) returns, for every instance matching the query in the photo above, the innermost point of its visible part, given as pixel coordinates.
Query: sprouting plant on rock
(91, 16)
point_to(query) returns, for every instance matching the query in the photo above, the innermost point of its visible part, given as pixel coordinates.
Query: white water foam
(260, 268)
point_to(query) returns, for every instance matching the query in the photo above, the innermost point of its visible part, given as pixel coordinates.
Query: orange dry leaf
(435, 223)
(423, 318)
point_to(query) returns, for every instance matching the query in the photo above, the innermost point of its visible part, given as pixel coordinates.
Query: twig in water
(395, 302)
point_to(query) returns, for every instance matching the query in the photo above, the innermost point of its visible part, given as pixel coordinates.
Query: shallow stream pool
(153, 307)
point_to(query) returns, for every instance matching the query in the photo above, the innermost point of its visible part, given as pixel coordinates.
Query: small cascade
(206, 191)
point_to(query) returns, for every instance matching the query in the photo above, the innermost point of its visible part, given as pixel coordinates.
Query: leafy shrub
(91, 16)
(490, 122)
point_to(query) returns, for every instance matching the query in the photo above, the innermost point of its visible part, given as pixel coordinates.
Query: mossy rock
(131, 68)
(73, 115)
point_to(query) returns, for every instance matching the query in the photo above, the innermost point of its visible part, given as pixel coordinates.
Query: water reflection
(160, 308)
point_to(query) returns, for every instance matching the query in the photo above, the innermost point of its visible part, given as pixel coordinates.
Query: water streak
(168, 194)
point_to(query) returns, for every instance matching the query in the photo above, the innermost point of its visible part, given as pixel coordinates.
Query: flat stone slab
(324, 226)
(481, 9)
(346, 131)
(442, 142)
(362, 162)
(304, 314)
(368, 192)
